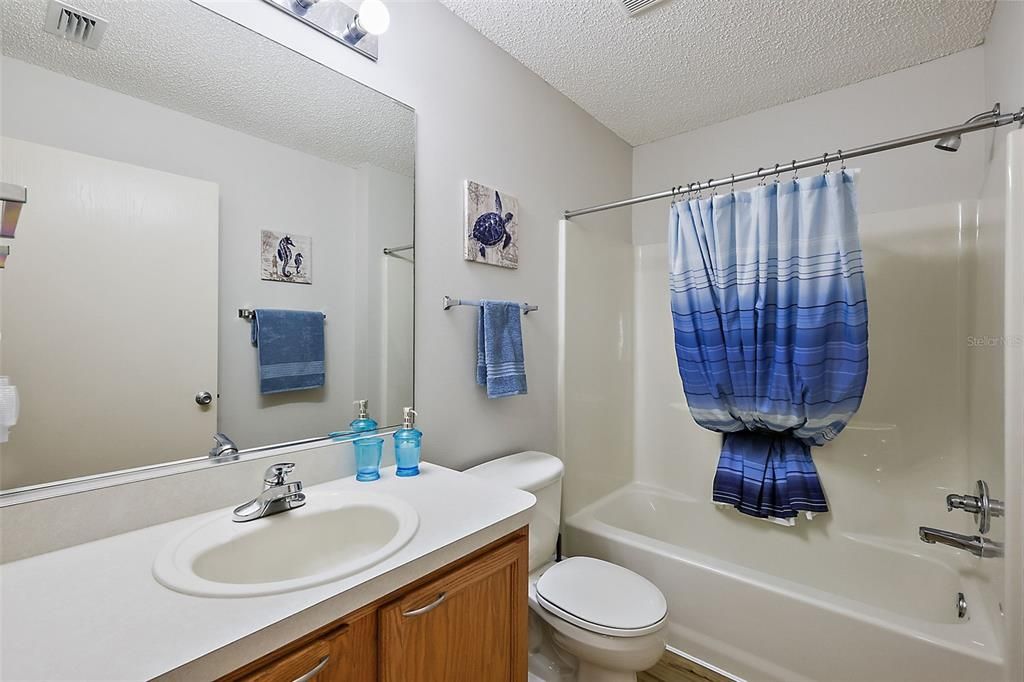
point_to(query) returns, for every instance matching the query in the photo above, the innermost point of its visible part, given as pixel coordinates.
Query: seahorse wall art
(286, 257)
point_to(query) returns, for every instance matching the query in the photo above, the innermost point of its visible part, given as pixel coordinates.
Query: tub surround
(100, 607)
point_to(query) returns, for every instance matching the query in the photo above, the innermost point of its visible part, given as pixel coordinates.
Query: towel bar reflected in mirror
(248, 314)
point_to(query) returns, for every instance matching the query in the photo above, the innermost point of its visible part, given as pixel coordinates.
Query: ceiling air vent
(635, 7)
(74, 24)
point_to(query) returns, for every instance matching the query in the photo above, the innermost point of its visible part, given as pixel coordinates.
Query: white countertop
(95, 612)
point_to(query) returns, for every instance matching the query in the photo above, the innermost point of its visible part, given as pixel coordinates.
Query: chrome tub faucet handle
(981, 505)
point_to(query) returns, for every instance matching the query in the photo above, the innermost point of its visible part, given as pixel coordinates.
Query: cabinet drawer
(340, 653)
(308, 664)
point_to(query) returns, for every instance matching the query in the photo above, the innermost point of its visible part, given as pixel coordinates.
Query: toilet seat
(602, 597)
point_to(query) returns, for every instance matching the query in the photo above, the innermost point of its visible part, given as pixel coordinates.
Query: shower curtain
(770, 316)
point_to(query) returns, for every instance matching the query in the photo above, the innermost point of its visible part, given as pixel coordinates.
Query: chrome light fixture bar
(357, 30)
(12, 198)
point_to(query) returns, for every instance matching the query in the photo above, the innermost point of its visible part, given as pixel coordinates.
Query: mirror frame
(71, 486)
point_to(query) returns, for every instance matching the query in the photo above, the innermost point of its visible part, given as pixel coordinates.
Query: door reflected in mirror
(174, 179)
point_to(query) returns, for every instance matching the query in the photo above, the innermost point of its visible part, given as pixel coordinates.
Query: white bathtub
(764, 602)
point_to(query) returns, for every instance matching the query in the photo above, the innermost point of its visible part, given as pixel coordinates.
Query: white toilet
(605, 617)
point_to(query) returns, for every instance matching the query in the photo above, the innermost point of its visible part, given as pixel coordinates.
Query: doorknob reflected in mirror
(204, 398)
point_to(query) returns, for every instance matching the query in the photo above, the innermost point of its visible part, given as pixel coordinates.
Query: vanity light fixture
(357, 30)
(12, 198)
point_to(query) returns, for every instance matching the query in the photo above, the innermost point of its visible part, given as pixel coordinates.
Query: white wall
(260, 186)
(481, 115)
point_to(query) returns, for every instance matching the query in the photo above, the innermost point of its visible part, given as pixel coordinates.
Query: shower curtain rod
(970, 127)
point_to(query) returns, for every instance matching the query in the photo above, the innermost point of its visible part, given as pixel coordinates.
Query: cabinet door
(467, 626)
(347, 653)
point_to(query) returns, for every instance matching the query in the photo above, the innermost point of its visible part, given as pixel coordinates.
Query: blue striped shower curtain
(771, 332)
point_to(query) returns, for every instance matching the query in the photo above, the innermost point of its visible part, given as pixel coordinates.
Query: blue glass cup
(368, 456)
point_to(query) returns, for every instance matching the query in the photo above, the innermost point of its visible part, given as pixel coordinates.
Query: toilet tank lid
(529, 471)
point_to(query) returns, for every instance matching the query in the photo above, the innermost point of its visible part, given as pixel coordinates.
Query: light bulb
(373, 17)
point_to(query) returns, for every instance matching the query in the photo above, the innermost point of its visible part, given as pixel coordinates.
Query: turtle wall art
(286, 257)
(492, 226)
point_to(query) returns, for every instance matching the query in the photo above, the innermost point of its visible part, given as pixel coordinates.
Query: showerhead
(951, 143)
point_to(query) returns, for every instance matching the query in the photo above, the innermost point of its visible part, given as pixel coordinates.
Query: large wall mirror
(179, 172)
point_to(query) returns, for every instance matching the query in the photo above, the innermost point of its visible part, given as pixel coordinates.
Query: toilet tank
(538, 473)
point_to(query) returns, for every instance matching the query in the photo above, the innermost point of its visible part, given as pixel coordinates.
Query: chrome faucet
(981, 505)
(223, 447)
(278, 495)
(975, 544)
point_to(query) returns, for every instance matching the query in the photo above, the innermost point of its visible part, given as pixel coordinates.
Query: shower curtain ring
(732, 184)
(714, 190)
(795, 171)
(760, 169)
(776, 174)
(842, 161)
(824, 159)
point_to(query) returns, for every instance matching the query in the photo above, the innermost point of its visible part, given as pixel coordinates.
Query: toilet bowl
(601, 619)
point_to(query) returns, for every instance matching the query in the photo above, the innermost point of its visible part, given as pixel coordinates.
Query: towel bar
(448, 302)
(247, 314)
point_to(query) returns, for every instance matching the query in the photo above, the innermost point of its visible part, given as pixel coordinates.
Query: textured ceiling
(685, 64)
(181, 56)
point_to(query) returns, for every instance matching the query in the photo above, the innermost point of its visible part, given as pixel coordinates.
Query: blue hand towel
(291, 349)
(500, 365)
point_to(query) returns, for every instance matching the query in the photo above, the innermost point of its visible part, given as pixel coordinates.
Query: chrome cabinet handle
(429, 607)
(204, 398)
(313, 673)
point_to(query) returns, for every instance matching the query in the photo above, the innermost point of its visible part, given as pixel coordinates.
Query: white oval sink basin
(334, 535)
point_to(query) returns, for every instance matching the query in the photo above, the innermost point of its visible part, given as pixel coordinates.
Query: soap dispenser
(407, 445)
(363, 422)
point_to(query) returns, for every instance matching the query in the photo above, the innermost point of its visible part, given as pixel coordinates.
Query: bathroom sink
(334, 535)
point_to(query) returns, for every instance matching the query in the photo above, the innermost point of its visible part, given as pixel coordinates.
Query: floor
(673, 668)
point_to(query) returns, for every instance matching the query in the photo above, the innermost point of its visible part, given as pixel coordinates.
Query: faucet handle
(277, 474)
(981, 505)
(968, 503)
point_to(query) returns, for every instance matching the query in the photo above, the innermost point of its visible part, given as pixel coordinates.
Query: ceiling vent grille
(74, 24)
(635, 7)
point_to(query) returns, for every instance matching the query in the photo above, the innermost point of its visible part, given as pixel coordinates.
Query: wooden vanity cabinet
(464, 625)
(466, 622)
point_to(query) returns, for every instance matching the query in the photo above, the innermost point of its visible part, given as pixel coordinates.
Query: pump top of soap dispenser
(408, 418)
(363, 422)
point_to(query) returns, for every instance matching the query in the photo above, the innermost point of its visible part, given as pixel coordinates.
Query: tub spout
(975, 544)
